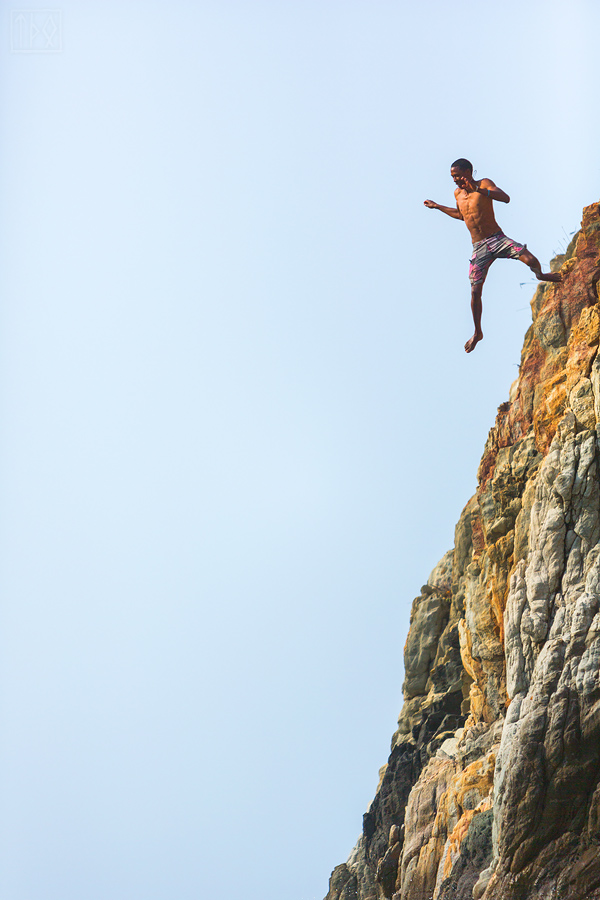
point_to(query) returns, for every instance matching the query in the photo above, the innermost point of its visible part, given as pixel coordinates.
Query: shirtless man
(474, 206)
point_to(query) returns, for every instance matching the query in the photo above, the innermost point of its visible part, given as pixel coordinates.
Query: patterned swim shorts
(497, 246)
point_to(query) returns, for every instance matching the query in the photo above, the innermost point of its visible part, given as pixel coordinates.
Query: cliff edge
(492, 787)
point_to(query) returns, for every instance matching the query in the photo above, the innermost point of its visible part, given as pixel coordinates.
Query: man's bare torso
(477, 211)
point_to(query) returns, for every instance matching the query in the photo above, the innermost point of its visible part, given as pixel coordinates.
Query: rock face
(492, 787)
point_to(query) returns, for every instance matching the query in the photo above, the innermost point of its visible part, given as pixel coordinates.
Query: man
(474, 205)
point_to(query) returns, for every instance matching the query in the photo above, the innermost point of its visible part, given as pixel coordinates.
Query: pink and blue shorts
(497, 246)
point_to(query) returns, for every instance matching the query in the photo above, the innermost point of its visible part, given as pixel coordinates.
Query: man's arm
(488, 188)
(453, 212)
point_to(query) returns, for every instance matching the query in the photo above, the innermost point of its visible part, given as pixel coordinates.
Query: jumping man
(474, 206)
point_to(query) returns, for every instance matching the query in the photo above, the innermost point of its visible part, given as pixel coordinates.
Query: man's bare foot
(472, 342)
(548, 276)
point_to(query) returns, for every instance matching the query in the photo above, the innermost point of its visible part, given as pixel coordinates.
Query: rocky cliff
(492, 787)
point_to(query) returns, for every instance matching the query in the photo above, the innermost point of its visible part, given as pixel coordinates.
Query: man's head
(461, 170)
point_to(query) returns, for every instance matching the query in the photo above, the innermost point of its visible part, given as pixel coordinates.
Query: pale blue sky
(238, 424)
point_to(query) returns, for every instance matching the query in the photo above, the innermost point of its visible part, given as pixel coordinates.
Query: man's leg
(534, 264)
(476, 309)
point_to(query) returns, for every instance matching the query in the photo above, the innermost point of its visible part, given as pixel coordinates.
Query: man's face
(461, 177)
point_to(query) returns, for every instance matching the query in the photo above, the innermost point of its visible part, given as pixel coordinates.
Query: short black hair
(463, 164)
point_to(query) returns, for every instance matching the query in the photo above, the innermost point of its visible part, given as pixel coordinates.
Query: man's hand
(467, 183)
(430, 204)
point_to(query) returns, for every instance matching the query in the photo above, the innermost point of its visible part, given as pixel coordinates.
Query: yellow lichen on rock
(549, 410)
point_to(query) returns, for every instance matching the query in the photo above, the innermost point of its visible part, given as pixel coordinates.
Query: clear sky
(238, 424)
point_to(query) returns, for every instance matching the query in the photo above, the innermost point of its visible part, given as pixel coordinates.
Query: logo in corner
(35, 31)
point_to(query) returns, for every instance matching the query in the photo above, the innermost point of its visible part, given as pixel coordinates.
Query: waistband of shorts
(491, 237)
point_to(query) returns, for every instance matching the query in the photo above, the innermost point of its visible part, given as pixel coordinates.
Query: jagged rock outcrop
(492, 787)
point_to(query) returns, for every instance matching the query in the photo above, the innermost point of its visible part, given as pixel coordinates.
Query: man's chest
(471, 205)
